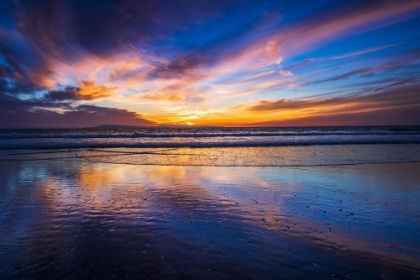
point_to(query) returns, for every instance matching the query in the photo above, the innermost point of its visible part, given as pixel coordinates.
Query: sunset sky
(230, 63)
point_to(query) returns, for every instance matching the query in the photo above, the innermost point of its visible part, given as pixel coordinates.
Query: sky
(224, 63)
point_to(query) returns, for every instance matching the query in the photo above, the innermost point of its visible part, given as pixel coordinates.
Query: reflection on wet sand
(78, 219)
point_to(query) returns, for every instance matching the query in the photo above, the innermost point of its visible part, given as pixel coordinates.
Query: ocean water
(217, 146)
(202, 137)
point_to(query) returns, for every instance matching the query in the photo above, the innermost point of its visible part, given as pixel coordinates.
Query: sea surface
(210, 203)
(217, 146)
(204, 137)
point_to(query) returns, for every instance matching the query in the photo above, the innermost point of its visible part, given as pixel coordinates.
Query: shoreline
(287, 156)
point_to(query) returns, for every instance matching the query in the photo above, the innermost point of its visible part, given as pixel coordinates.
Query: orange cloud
(175, 93)
(157, 96)
(384, 99)
(89, 90)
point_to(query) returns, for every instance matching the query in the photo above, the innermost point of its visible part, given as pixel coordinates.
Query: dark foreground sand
(75, 219)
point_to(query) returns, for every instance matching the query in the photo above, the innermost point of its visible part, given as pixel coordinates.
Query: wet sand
(71, 218)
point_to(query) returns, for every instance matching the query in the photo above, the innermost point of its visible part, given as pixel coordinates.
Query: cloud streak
(391, 99)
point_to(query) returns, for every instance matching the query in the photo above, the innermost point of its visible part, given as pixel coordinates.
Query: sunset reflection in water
(118, 219)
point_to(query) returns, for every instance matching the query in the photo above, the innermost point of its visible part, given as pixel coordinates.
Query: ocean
(204, 137)
(218, 146)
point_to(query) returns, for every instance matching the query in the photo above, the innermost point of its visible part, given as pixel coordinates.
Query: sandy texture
(71, 218)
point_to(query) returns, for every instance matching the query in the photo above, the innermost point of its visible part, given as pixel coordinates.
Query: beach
(85, 213)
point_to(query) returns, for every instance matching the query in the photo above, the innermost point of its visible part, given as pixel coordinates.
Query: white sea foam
(204, 137)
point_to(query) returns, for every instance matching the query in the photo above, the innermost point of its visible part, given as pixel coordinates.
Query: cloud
(59, 42)
(66, 94)
(58, 54)
(174, 93)
(322, 28)
(20, 115)
(317, 60)
(55, 109)
(396, 100)
(179, 68)
(396, 83)
(89, 90)
(57, 33)
(393, 116)
(270, 48)
(388, 66)
(157, 96)
(273, 51)
(285, 73)
(356, 18)
(10, 87)
(53, 33)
